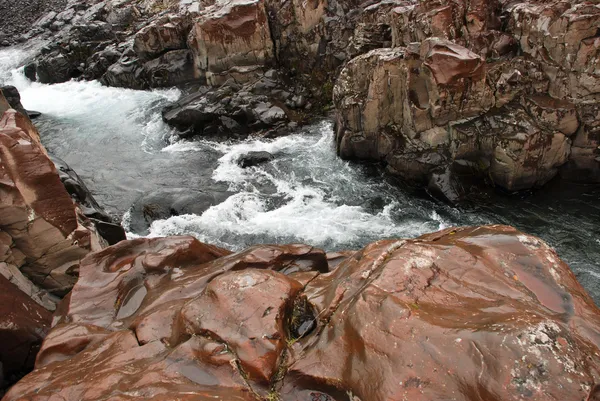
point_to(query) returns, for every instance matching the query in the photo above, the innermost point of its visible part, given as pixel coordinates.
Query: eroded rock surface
(464, 314)
(457, 91)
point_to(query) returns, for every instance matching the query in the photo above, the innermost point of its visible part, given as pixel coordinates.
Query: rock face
(450, 94)
(480, 313)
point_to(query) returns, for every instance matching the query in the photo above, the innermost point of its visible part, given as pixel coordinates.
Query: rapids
(116, 140)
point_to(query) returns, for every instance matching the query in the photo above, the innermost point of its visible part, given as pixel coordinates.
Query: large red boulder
(480, 313)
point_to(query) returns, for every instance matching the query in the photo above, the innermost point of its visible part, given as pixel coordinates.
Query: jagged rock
(160, 36)
(172, 68)
(44, 232)
(228, 110)
(111, 231)
(231, 39)
(474, 312)
(13, 97)
(38, 213)
(254, 159)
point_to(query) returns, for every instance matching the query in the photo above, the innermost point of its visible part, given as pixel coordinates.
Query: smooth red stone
(467, 314)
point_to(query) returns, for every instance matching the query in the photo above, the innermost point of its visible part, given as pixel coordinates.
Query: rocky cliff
(482, 313)
(509, 92)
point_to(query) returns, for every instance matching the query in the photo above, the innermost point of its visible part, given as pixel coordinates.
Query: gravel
(19, 15)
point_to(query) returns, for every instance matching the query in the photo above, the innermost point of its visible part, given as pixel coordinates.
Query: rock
(172, 68)
(228, 110)
(475, 312)
(160, 36)
(231, 38)
(164, 203)
(12, 95)
(46, 232)
(445, 186)
(251, 159)
(107, 227)
(23, 326)
(33, 114)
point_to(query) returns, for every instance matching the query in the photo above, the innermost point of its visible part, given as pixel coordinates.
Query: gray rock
(251, 159)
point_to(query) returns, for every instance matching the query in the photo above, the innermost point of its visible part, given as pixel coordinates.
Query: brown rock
(23, 326)
(480, 313)
(44, 232)
(160, 36)
(231, 35)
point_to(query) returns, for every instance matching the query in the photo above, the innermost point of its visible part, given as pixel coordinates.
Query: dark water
(117, 142)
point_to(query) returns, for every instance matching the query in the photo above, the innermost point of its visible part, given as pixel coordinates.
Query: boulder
(251, 159)
(229, 110)
(231, 38)
(472, 313)
(160, 36)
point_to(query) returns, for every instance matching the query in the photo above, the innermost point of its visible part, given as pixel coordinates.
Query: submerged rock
(164, 203)
(468, 313)
(254, 159)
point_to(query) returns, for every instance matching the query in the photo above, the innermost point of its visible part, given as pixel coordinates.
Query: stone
(231, 35)
(172, 68)
(164, 203)
(160, 36)
(47, 233)
(23, 326)
(251, 159)
(476, 312)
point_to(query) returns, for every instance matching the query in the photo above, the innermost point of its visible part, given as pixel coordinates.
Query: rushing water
(116, 140)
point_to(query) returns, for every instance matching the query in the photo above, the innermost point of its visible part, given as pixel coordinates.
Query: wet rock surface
(467, 313)
(44, 230)
(23, 326)
(165, 203)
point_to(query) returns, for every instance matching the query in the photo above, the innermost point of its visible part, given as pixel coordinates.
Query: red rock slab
(33, 173)
(467, 314)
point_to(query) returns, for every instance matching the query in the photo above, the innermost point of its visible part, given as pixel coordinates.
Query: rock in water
(164, 203)
(254, 159)
(468, 314)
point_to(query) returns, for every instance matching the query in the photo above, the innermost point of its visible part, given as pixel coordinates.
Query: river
(116, 141)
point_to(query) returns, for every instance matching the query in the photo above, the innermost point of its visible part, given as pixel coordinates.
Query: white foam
(309, 202)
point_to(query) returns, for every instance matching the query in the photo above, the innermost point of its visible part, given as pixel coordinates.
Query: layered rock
(470, 313)
(458, 99)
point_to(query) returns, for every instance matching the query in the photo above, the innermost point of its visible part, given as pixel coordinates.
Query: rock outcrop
(456, 94)
(480, 313)
(504, 91)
